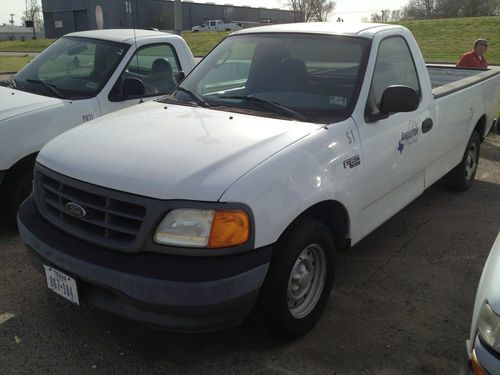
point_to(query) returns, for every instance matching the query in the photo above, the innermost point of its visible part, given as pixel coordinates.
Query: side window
(394, 66)
(153, 70)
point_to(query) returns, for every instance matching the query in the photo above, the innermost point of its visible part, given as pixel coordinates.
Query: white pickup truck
(217, 25)
(230, 197)
(79, 77)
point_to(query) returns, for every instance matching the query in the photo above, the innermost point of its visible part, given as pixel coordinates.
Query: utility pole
(178, 17)
(12, 19)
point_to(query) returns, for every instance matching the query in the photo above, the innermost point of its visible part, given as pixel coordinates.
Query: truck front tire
(299, 280)
(18, 187)
(461, 177)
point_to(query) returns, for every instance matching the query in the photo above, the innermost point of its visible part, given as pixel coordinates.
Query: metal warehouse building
(65, 16)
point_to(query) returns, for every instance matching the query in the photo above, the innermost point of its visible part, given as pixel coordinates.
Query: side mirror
(399, 98)
(133, 88)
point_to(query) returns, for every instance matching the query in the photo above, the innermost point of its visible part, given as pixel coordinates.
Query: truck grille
(89, 212)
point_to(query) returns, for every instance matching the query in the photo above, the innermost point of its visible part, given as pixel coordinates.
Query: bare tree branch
(312, 10)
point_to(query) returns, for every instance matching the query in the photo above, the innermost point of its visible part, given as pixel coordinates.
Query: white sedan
(483, 346)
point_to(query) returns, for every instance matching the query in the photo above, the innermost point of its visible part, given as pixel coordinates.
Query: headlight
(489, 327)
(203, 228)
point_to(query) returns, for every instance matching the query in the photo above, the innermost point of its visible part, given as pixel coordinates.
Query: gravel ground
(401, 304)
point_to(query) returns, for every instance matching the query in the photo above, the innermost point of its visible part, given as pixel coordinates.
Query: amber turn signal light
(229, 228)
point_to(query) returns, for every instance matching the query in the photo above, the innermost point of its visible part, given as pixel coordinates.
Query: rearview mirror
(180, 76)
(76, 49)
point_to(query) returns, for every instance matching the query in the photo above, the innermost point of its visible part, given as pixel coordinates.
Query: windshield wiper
(12, 82)
(51, 87)
(9, 83)
(276, 107)
(198, 99)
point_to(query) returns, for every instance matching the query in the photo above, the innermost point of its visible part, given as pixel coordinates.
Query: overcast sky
(349, 10)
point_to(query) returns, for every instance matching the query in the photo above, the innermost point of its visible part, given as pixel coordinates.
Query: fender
(26, 133)
(320, 167)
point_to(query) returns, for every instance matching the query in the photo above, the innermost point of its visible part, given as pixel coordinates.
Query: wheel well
(20, 165)
(335, 216)
(480, 126)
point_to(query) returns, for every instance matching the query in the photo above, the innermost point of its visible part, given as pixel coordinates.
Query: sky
(348, 10)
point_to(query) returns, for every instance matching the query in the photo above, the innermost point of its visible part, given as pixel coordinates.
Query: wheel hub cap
(306, 281)
(470, 163)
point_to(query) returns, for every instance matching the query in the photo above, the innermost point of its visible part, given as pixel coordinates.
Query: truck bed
(448, 79)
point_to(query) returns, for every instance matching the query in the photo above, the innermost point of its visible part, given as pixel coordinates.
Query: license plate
(61, 284)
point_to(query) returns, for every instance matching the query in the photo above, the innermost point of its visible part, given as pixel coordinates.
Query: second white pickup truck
(217, 25)
(79, 77)
(231, 197)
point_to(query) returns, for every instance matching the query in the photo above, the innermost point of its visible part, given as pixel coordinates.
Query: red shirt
(472, 60)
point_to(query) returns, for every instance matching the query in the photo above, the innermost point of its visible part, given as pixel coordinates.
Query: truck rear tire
(299, 280)
(461, 177)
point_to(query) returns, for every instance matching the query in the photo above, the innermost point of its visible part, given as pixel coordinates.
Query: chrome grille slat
(107, 208)
(113, 221)
(101, 223)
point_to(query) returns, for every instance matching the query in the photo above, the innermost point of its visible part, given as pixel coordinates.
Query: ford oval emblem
(75, 210)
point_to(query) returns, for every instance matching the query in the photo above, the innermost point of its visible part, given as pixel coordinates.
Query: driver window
(155, 67)
(394, 66)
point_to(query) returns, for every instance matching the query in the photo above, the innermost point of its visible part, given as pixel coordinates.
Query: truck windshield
(307, 77)
(71, 68)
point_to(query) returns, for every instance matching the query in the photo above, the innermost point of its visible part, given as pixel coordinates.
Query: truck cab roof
(127, 36)
(367, 30)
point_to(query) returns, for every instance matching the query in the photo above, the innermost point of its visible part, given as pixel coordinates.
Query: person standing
(475, 58)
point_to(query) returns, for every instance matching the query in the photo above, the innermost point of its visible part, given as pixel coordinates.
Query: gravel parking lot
(402, 303)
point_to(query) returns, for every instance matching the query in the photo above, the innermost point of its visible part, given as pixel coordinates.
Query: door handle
(427, 125)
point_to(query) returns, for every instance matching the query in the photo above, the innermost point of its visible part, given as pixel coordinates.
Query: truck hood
(170, 151)
(15, 102)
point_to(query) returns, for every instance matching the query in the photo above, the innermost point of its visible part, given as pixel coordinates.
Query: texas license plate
(61, 284)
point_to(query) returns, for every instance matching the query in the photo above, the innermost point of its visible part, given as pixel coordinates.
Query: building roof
(127, 36)
(342, 28)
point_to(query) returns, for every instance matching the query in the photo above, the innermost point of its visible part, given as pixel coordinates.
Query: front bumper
(173, 292)
(480, 361)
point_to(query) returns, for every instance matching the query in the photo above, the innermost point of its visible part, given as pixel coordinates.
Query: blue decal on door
(409, 137)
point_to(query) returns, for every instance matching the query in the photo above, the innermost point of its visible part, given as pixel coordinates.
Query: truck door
(153, 71)
(395, 149)
(213, 26)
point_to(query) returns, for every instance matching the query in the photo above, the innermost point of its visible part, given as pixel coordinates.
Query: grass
(202, 43)
(33, 45)
(441, 40)
(9, 64)
(444, 40)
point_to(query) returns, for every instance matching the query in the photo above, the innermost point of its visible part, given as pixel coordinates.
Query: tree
(322, 9)
(383, 17)
(312, 10)
(395, 15)
(419, 9)
(33, 14)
